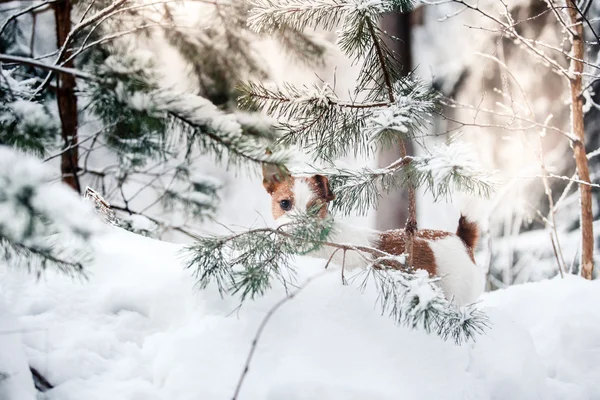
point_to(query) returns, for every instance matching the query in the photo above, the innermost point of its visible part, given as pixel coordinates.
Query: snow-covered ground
(138, 329)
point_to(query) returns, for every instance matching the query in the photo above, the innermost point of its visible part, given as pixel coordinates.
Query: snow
(321, 96)
(15, 378)
(17, 87)
(139, 224)
(199, 110)
(139, 329)
(28, 201)
(31, 114)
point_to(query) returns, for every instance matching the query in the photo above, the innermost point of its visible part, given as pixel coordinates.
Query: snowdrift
(138, 329)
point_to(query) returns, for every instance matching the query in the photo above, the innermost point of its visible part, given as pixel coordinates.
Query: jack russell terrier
(447, 255)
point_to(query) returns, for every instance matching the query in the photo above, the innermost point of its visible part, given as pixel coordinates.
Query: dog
(449, 256)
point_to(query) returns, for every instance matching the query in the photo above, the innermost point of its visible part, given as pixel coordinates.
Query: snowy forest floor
(138, 329)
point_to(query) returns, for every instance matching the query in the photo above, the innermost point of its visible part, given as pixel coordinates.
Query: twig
(157, 221)
(34, 63)
(510, 31)
(262, 326)
(24, 11)
(331, 258)
(71, 35)
(558, 260)
(66, 149)
(344, 281)
(554, 233)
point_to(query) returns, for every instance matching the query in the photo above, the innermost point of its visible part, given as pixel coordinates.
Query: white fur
(303, 194)
(349, 235)
(461, 279)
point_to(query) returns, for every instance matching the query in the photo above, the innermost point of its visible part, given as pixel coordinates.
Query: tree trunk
(585, 191)
(67, 100)
(393, 211)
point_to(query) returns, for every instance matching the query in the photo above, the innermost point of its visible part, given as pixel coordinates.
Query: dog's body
(444, 254)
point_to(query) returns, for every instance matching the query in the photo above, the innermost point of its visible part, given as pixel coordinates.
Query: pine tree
(109, 96)
(394, 107)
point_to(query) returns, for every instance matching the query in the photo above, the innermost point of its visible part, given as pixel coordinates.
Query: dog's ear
(274, 175)
(322, 184)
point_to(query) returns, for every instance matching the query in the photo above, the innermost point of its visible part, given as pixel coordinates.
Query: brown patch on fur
(320, 185)
(323, 194)
(281, 191)
(394, 242)
(468, 232)
(273, 176)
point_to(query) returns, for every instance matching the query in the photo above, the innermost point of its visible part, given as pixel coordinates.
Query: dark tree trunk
(393, 207)
(67, 100)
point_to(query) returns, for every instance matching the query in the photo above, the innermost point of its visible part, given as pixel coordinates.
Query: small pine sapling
(395, 108)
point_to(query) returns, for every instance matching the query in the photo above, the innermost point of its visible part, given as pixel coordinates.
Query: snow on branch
(25, 124)
(359, 189)
(314, 118)
(446, 169)
(219, 133)
(408, 115)
(43, 223)
(146, 113)
(449, 168)
(246, 263)
(414, 300)
(359, 35)
(269, 15)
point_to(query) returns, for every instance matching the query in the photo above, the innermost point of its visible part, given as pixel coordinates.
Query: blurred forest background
(509, 102)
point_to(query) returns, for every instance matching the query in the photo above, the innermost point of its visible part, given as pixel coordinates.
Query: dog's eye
(286, 205)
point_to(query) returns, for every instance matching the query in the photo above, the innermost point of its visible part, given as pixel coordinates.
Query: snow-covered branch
(41, 224)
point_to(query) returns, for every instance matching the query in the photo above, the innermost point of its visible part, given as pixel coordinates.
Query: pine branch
(406, 116)
(246, 263)
(269, 15)
(308, 48)
(451, 168)
(145, 113)
(447, 169)
(378, 45)
(317, 120)
(27, 126)
(43, 218)
(415, 301)
(39, 259)
(220, 143)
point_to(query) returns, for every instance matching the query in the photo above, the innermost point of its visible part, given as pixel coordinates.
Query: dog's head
(293, 195)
